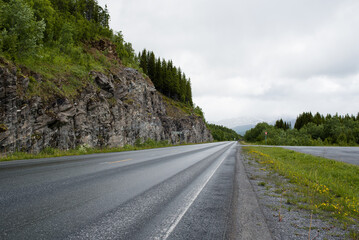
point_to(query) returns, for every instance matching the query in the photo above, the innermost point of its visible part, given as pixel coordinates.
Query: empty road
(343, 154)
(185, 192)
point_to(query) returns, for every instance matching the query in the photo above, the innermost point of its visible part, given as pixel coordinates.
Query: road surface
(343, 154)
(185, 192)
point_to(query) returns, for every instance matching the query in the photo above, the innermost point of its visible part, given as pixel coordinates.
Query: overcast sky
(253, 58)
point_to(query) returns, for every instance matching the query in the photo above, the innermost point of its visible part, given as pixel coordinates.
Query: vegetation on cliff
(309, 130)
(60, 41)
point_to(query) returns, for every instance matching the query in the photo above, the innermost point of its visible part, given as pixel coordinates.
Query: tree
(158, 75)
(164, 78)
(143, 61)
(221, 133)
(279, 123)
(303, 119)
(151, 65)
(20, 34)
(318, 118)
(282, 124)
(189, 93)
(167, 78)
(256, 134)
(43, 10)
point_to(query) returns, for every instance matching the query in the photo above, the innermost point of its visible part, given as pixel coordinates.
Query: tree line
(29, 26)
(167, 78)
(26, 25)
(310, 130)
(221, 133)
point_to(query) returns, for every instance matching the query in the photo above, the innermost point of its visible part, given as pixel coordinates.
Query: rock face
(117, 109)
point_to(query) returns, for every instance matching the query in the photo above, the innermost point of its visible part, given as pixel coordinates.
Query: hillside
(68, 80)
(221, 133)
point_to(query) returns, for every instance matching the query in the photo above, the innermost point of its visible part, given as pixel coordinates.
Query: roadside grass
(323, 185)
(259, 143)
(243, 142)
(84, 150)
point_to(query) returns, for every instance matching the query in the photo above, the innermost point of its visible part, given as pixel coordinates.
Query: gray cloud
(259, 58)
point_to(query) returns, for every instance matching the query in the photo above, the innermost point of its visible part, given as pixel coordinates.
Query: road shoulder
(285, 219)
(248, 219)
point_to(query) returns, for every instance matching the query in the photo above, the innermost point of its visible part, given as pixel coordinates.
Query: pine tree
(175, 80)
(303, 119)
(158, 74)
(164, 78)
(143, 61)
(151, 65)
(318, 118)
(182, 86)
(189, 93)
(169, 79)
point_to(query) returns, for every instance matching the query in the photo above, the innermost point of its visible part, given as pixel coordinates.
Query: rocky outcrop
(116, 109)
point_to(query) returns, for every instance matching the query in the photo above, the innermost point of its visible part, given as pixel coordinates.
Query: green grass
(184, 109)
(84, 150)
(322, 184)
(63, 71)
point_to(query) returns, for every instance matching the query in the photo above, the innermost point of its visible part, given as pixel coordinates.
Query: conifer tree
(189, 93)
(318, 118)
(164, 77)
(158, 76)
(143, 61)
(151, 65)
(303, 119)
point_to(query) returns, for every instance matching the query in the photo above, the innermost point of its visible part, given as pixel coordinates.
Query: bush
(20, 34)
(336, 130)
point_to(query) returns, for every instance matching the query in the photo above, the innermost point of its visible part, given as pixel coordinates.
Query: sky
(252, 59)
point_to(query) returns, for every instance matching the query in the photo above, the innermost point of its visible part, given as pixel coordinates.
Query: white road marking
(190, 198)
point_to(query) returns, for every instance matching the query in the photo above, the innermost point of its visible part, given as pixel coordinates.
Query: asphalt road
(186, 192)
(343, 154)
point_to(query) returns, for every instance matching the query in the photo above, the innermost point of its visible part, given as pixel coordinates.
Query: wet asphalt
(183, 192)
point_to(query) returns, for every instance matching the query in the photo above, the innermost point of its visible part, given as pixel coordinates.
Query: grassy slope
(326, 185)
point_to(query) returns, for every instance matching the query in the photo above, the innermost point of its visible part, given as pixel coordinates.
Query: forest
(54, 38)
(309, 130)
(167, 78)
(221, 133)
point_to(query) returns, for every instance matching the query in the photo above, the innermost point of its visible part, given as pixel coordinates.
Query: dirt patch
(287, 219)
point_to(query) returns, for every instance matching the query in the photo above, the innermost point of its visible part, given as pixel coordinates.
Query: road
(343, 154)
(185, 192)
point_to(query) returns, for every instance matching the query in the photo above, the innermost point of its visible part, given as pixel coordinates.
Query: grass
(84, 150)
(178, 109)
(64, 72)
(323, 185)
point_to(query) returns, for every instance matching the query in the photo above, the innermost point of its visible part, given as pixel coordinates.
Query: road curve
(183, 192)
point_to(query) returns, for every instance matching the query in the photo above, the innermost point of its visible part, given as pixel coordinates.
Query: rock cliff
(115, 109)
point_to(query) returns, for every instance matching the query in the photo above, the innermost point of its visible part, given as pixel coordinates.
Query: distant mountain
(242, 124)
(241, 130)
(234, 122)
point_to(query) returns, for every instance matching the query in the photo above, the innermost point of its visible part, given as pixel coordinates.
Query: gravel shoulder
(285, 219)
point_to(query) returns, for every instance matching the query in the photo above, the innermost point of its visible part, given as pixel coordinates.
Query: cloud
(259, 58)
